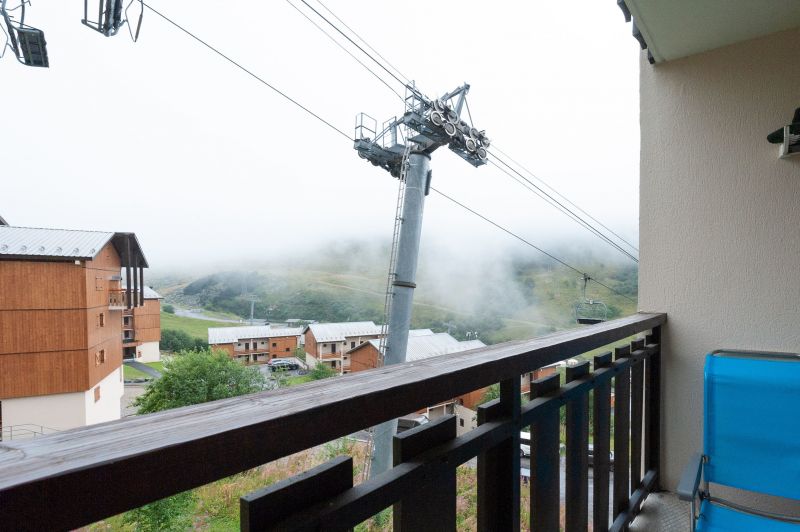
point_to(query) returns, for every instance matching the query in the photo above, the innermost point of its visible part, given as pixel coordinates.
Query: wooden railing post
(652, 456)
(601, 467)
(577, 461)
(622, 405)
(499, 467)
(545, 462)
(637, 407)
(273, 507)
(431, 506)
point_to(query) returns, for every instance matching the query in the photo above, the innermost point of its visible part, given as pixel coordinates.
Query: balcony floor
(662, 512)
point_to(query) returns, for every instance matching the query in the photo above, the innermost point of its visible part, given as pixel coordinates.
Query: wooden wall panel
(311, 343)
(363, 358)
(227, 348)
(27, 331)
(281, 345)
(31, 285)
(98, 273)
(111, 330)
(113, 360)
(45, 373)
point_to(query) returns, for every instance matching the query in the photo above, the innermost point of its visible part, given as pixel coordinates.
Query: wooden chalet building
(61, 308)
(255, 344)
(141, 329)
(327, 343)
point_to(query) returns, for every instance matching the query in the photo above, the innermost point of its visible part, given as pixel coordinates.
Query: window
(98, 283)
(352, 345)
(100, 357)
(461, 421)
(96, 394)
(333, 348)
(101, 319)
(287, 349)
(274, 344)
(246, 346)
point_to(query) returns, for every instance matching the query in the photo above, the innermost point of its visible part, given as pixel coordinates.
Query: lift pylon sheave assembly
(25, 41)
(403, 147)
(111, 16)
(426, 125)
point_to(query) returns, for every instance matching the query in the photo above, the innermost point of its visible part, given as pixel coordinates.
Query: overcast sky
(165, 139)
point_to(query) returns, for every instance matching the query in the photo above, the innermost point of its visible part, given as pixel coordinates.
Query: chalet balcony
(185, 448)
(117, 300)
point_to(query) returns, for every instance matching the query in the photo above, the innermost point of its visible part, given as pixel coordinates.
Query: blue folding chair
(751, 440)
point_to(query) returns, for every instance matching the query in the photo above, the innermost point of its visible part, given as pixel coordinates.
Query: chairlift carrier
(589, 311)
(111, 16)
(27, 42)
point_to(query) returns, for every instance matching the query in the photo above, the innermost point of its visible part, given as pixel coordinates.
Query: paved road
(199, 314)
(144, 368)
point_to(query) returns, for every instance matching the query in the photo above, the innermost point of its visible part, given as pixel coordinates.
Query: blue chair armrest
(690, 480)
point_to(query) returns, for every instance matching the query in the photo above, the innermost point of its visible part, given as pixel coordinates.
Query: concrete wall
(149, 352)
(108, 407)
(719, 217)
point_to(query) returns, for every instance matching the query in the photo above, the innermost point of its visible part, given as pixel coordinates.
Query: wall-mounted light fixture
(788, 137)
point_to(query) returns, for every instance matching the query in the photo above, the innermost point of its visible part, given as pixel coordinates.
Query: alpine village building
(327, 343)
(61, 320)
(256, 343)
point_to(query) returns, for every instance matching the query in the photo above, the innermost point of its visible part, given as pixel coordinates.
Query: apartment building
(141, 329)
(255, 344)
(61, 324)
(327, 343)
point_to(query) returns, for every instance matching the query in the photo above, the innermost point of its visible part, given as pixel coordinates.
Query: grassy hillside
(191, 326)
(516, 299)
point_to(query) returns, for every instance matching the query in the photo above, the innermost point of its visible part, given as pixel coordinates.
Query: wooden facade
(59, 332)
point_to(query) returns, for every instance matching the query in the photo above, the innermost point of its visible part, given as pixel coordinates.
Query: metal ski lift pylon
(111, 16)
(25, 41)
(589, 311)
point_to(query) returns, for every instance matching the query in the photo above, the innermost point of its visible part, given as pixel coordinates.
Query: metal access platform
(427, 125)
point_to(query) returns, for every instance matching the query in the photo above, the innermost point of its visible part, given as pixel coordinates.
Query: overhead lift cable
(544, 195)
(342, 133)
(559, 194)
(348, 52)
(252, 74)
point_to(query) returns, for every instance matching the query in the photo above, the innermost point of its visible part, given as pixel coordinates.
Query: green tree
(169, 309)
(195, 377)
(190, 378)
(493, 392)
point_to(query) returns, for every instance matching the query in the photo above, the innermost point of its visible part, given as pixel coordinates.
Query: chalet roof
(337, 332)
(421, 346)
(67, 244)
(228, 335)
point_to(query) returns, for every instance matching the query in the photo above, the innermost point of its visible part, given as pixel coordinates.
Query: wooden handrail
(112, 467)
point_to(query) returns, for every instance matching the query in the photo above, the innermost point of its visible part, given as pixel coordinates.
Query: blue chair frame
(751, 440)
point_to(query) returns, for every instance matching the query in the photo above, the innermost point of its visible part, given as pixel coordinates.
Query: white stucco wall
(150, 352)
(720, 217)
(109, 407)
(67, 410)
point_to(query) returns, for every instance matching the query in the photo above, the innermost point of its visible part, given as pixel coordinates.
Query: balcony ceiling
(678, 28)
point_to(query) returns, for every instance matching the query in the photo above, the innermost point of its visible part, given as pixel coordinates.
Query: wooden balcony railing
(112, 467)
(117, 300)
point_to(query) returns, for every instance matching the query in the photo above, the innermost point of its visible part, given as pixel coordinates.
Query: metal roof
(420, 332)
(431, 345)
(228, 335)
(66, 244)
(337, 332)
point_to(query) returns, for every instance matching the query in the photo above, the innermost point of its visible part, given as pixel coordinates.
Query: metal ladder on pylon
(387, 304)
(398, 222)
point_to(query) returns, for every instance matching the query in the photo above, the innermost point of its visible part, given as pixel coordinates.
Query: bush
(169, 514)
(169, 309)
(321, 371)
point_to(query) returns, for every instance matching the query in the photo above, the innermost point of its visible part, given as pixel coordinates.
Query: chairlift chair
(111, 16)
(589, 311)
(27, 42)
